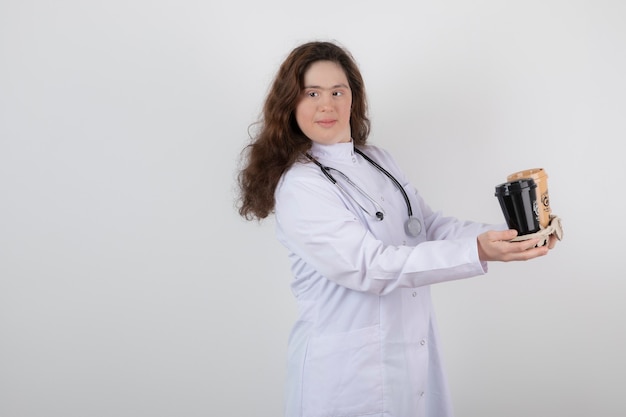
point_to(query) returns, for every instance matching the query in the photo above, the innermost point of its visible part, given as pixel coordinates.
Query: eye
(337, 93)
(312, 94)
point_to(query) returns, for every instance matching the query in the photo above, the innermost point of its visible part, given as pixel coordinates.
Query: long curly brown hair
(279, 142)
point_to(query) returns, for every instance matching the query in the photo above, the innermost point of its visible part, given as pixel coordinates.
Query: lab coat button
(422, 342)
(414, 294)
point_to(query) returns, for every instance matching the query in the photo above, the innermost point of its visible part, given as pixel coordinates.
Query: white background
(129, 286)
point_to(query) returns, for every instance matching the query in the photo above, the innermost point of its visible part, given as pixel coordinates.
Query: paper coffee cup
(540, 177)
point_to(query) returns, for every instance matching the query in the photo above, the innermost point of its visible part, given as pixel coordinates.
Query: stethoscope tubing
(391, 177)
(412, 226)
(380, 213)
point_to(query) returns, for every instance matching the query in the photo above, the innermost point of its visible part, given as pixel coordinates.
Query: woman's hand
(496, 246)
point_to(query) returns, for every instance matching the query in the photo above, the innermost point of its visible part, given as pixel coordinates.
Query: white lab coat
(365, 342)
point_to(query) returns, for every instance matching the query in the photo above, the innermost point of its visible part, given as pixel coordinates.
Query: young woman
(364, 247)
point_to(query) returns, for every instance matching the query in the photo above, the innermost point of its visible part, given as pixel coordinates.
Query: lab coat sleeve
(314, 223)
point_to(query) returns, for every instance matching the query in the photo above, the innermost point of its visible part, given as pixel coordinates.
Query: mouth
(326, 122)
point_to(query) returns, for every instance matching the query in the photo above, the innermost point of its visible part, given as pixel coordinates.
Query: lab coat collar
(336, 152)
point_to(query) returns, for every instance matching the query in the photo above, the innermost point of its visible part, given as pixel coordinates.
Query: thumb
(505, 234)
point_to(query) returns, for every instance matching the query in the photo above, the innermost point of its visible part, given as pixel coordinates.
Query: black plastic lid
(515, 187)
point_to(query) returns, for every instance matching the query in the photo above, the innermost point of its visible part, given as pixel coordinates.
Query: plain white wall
(129, 286)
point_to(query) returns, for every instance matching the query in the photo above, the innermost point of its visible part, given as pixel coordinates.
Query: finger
(534, 253)
(531, 243)
(521, 246)
(500, 235)
(526, 255)
(551, 241)
(523, 250)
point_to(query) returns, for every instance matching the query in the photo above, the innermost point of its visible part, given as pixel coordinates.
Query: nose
(325, 102)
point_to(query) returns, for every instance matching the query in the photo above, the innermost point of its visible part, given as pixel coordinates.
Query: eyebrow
(319, 87)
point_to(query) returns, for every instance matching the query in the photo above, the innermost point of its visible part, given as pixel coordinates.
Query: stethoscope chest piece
(413, 226)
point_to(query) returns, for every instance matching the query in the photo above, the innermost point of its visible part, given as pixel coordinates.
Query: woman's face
(323, 112)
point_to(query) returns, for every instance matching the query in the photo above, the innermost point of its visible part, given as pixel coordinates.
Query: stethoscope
(412, 226)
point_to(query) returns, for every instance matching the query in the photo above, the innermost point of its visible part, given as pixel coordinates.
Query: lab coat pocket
(343, 374)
